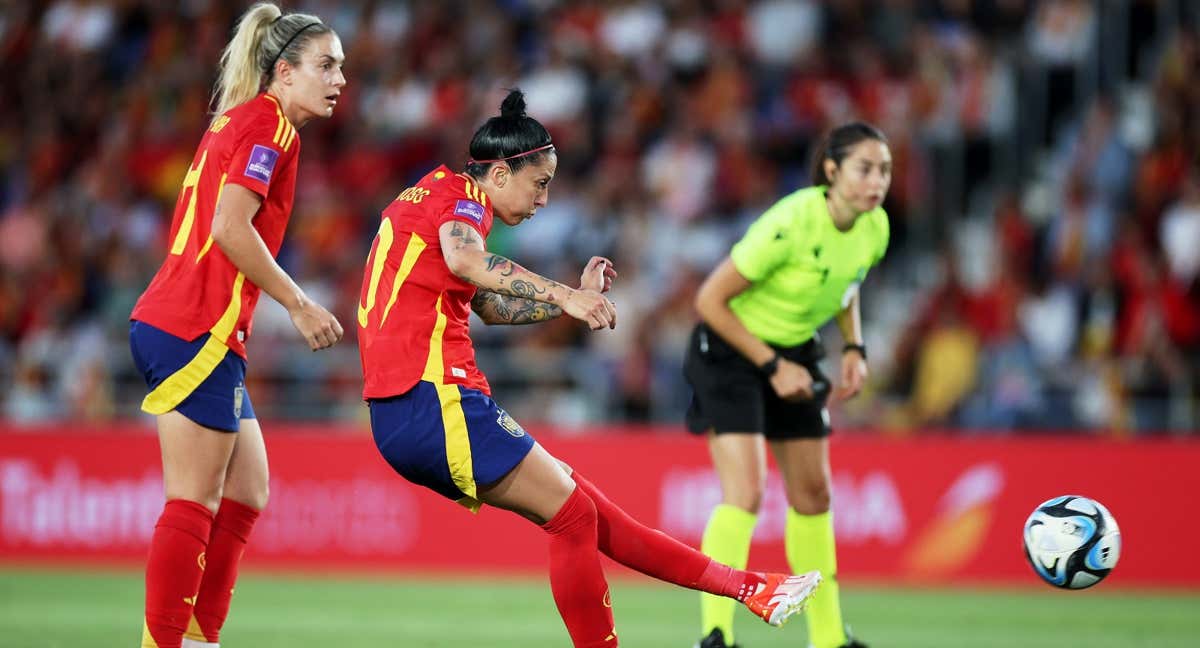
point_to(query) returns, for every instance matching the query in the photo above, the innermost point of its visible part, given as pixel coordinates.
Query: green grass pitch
(58, 608)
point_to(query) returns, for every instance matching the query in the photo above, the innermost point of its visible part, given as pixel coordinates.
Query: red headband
(529, 152)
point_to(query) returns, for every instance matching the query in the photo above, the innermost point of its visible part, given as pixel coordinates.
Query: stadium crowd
(1045, 209)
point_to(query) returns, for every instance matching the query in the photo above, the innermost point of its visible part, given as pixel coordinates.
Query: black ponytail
(514, 138)
(837, 144)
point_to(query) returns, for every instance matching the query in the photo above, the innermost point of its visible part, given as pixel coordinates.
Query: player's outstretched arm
(494, 308)
(234, 234)
(462, 248)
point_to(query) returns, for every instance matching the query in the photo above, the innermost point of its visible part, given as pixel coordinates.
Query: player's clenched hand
(318, 326)
(598, 275)
(592, 308)
(792, 381)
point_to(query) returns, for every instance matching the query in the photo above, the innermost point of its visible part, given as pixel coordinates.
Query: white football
(1072, 542)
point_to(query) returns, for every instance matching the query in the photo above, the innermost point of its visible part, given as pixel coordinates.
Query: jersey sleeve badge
(261, 164)
(470, 209)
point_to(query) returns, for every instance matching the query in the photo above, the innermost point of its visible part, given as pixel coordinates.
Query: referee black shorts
(729, 394)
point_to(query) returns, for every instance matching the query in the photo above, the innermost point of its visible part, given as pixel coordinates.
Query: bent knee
(209, 499)
(259, 501)
(576, 514)
(252, 492)
(810, 499)
(746, 496)
(255, 498)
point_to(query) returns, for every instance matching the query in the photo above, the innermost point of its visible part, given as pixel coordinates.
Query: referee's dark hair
(837, 144)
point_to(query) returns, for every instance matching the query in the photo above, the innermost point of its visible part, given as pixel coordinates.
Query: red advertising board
(926, 510)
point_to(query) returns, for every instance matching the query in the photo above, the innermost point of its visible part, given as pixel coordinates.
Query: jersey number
(378, 259)
(189, 217)
(383, 244)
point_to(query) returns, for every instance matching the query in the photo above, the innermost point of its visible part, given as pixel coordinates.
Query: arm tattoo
(497, 274)
(526, 289)
(496, 261)
(465, 235)
(533, 287)
(494, 308)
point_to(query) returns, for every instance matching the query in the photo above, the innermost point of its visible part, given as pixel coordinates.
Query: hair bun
(514, 104)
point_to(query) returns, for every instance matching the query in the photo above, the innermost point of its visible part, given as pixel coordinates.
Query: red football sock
(231, 530)
(657, 554)
(174, 569)
(576, 577)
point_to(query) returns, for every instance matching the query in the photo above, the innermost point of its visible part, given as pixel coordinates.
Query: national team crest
(510, 424)
(239, 394)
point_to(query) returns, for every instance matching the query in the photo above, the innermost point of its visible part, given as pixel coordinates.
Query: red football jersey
(413, 312)
(197, 289)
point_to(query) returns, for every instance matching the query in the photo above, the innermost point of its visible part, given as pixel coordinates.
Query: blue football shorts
(448, 438)
(202, 380)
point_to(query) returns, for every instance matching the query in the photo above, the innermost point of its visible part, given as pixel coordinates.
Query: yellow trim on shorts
(458, 444)
(454, 421)
(179, 385)
(209, 242)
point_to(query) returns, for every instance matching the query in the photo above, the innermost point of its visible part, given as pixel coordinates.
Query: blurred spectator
(1043, 271)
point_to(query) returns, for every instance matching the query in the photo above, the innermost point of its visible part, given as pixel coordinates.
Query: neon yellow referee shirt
(802, 269)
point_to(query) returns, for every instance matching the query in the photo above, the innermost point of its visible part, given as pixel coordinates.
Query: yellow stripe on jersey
(204, 250)
(284, 131)
(290, 137)
(179, 385)
(381, 252)
(435, 369)
(458, 444)
(224, 326)
(474, 191)
(209, 242)
(412, 251)
(279, 124)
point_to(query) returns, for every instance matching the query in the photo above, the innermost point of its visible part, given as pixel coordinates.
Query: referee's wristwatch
(768, 368)
(862, 350)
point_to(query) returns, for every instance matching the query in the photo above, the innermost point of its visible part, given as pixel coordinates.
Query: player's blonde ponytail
(240, 75)
(263, 35)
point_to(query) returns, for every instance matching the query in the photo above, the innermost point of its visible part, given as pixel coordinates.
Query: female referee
(753, 363)
(431, 414)
(189, 328)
